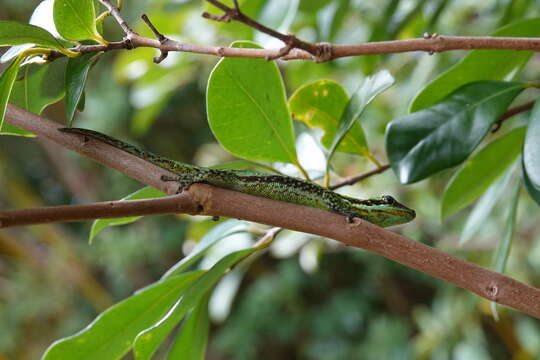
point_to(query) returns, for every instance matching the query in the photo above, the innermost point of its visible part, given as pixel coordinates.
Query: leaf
(111, 334)
(247, 109)
(321, 104)
(483, 208)
(148, 341)
(503, 250)
(480, 171)
(76, 20)
(7, 79)
(218, 232)
(442, 136)
(372, 86)
(533, 191)
(16, 33)
(76, 74)
(480, 65)
(100, 224)
(40, 86)
(531, 150)
(190, 343)
(330, 19)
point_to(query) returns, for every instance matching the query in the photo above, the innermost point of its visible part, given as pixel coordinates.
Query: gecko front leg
(184, 181)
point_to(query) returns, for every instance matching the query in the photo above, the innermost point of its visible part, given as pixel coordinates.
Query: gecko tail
(157, 160)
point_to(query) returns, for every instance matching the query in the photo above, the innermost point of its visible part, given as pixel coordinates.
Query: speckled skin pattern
(383, 211)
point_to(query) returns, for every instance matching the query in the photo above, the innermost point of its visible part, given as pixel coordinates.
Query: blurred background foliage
(307, 297)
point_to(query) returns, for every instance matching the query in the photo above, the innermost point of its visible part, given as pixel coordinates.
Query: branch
(430, 46)
(115, 12)
(511, 112)
(356, 178)
(213, 201)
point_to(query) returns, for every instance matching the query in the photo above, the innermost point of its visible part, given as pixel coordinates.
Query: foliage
(330, 302)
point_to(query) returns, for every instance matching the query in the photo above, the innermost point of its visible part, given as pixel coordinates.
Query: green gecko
(383, 211)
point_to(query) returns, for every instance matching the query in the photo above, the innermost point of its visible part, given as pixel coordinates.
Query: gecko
(382, 211)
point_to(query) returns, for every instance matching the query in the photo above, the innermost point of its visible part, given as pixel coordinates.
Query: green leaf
(483, 208)
(247, 109)
(111, 334)
(41, 86)
(503, 250)
(76, 74)
(423, 143)
(16, 33)
(480, 65)
(7, 79)
(531, 150)
(480, 171)
(531, 189)
(330, 19)
(218, 232)
(190, 344)
(144, 193)
(148, 341)
(76, 20)
(321, 104)
(372, 86)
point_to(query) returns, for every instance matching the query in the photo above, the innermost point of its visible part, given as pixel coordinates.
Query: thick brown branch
(174, 204)
(215, 201)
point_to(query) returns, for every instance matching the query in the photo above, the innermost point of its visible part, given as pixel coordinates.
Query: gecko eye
(387, 199)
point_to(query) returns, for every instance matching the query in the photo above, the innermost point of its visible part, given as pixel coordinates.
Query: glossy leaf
(16, 33)
(7, 79)
(480, 171)
(217, 233)
(41, 85)
(76, 74)
(372, 86)
(190, 343)
(148, 341)
(76, 20)
(480, 65)
(503, 250)
(442, 136)
(111, 334)
(320, 104)
(482, 209)
(144, 193)
(531, 150)
(531, 189)
(247, 109)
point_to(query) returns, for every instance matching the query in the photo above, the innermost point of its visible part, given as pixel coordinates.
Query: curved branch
(215, 201)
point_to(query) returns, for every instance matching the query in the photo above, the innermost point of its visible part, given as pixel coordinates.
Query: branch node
(324, 52)
(281, 52)
(492, 290)
(161, 38)
(223, 18)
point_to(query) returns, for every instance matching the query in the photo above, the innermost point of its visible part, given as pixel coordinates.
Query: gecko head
(383, 211)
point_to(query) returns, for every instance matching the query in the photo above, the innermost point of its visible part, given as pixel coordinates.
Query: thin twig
(115, 12)
(511, 112)
(161, 38)
(319, 51)
(431, 45)
(356, 178)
